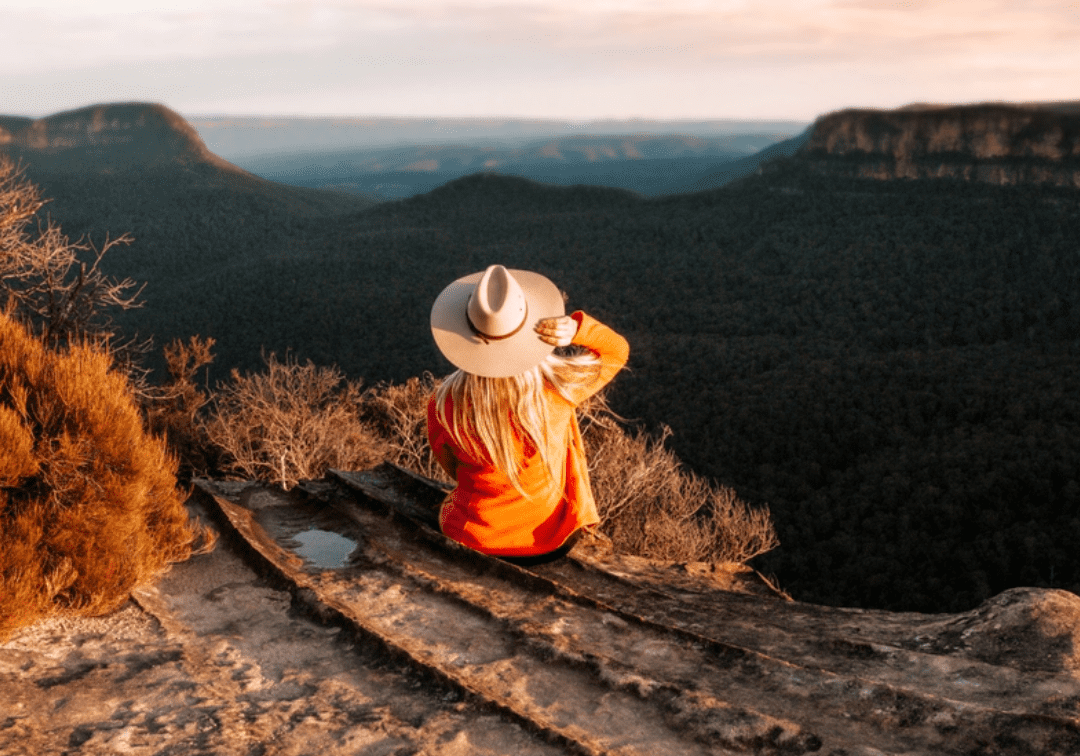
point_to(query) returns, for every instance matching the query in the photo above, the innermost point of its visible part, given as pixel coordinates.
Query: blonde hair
(489, 412)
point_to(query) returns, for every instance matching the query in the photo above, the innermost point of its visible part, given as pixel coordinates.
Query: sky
(566, 59)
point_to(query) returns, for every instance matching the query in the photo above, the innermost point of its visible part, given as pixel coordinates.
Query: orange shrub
(173, 409)
(89, 507)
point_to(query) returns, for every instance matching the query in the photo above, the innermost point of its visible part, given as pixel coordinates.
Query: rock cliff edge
(404, 642)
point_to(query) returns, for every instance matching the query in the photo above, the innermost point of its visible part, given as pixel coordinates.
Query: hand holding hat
(486, 323)
(557, 331)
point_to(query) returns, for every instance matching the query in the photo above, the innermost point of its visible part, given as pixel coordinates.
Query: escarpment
(989, 143)
(111, 137)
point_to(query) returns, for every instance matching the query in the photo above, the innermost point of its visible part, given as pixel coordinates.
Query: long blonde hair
(489, 412)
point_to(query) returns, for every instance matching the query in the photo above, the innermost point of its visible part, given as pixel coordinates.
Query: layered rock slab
(432, 647)
(215, 660)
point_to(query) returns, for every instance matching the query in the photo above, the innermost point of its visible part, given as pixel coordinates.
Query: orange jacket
(485, 512)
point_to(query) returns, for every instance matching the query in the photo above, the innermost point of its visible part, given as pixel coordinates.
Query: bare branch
(57, 285)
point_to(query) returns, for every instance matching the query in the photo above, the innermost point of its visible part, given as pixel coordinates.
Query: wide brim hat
(483, 323)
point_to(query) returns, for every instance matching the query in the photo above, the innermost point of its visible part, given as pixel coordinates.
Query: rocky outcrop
(399, 640)
(12, 125)
(106, 137)
(114, 163)
(991, 143)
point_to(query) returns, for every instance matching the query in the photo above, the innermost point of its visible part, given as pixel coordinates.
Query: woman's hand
(557, 331)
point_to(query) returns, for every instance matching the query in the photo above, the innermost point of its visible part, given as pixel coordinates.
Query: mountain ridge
(243, 138)
(996, 143)
(123, 134)
(144, 153)
(650, 164)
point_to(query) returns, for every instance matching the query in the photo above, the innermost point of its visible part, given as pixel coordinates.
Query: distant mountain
(993, 143)
(138, 145)
(240, 138)
(140, 168)
(749, 165)
(10, 125)
(107, 136)
(124, 136)
(650, 164)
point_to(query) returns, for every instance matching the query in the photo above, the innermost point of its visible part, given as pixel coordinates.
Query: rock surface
(992, 143)
(334, 620)
(106, 137)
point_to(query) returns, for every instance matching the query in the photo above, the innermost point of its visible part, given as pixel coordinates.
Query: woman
(503, 425)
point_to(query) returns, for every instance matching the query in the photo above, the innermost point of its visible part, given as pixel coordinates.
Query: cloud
(545, 57)
(71, 36)
(71, 33)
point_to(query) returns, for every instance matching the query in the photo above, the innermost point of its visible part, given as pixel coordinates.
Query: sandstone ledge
(415, 645)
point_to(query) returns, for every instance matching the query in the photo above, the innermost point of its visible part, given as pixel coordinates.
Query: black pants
(551, 556)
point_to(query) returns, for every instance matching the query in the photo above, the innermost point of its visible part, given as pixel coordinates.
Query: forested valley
(893, 366)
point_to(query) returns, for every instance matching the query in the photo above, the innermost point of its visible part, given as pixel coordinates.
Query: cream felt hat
(483, 323)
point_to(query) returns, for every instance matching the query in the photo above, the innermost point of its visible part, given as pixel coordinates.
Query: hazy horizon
(242, 137)
(546, 59)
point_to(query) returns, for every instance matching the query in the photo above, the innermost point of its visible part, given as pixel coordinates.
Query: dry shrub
(651, 506)
(173, 409)
(291, 423)
(397, 413)
(89, 507)
(57, 285)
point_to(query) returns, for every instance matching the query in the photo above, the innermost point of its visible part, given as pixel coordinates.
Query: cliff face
(104, 136)
(992, 143)
(11, 125)
(369, 630)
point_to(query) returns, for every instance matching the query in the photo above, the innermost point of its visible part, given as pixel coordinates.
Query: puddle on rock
(323, 548)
